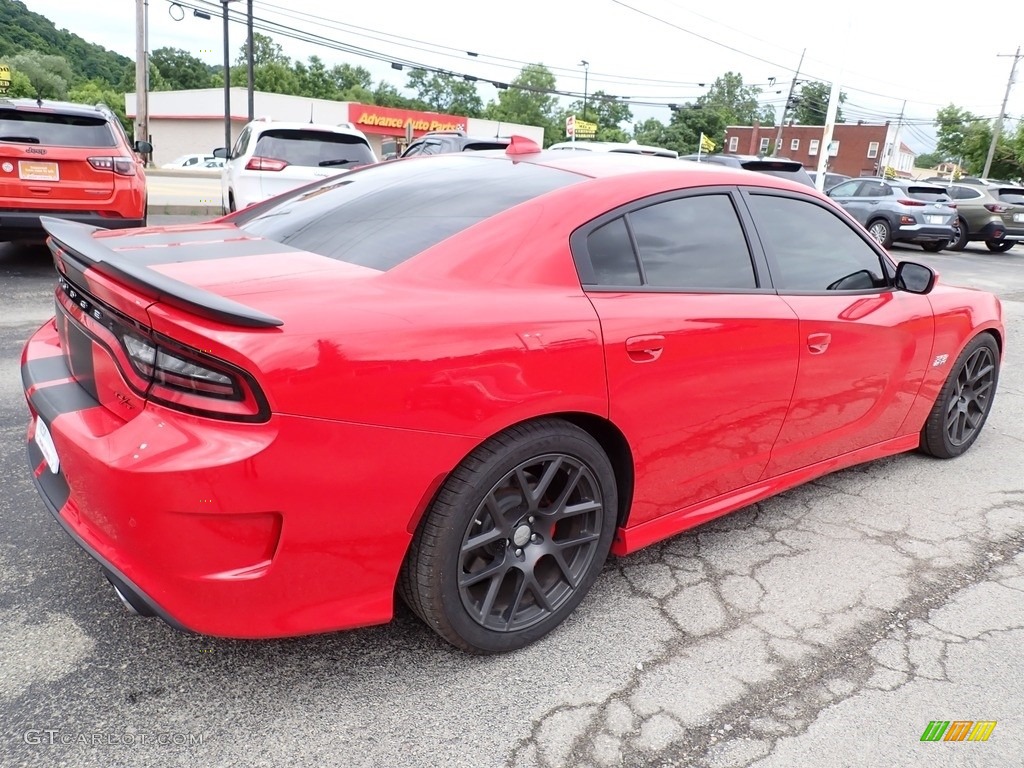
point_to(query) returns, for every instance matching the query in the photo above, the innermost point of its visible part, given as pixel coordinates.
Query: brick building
(858, 149)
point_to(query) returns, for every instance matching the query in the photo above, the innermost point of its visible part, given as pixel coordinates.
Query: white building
(182, 122)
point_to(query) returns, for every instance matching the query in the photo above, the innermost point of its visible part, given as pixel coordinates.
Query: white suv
(270, 158)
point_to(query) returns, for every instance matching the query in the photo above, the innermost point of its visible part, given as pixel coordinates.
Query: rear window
(382, 215)
(54, 129)
(479, 146)
(314, 149)
(1013, 196)
(781, 169)
(928, 194)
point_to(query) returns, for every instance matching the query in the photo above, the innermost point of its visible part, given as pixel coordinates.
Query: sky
(652, 52)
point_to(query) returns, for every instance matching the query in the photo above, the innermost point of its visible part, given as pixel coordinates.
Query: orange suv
(73, 161)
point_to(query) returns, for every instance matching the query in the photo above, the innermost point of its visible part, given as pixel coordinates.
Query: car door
(846, 196)
(700, 353)
(864, 346)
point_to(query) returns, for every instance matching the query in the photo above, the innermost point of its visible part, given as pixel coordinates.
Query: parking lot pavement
(825, 627)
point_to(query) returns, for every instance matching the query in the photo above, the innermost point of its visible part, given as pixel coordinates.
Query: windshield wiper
(338, 161)
(20, 139)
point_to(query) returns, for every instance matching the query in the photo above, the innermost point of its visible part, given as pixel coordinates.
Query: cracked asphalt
(824, 627)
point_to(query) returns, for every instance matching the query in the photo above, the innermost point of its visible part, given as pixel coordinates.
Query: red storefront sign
(392, 122)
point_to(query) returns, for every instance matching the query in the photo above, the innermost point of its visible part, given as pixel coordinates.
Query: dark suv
(782, 167)
(440, 142)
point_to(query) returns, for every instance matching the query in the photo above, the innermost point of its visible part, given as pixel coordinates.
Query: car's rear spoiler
(773, 165)
(75, 240)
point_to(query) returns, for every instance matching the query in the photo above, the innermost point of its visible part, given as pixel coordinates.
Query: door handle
(818, 342)
(645, 349)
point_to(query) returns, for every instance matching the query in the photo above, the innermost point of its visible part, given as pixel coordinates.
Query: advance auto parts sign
(5, 78)
(392, 122)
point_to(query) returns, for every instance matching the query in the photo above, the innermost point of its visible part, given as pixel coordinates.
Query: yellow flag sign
(5, 78)
(706, 144)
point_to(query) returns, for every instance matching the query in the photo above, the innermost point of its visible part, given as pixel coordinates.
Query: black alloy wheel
(515, 539)
(964, 401)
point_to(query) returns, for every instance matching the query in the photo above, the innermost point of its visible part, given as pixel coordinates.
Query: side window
(414, 149)
(812, 249)
(964, 193)
(192, 161)
(241, 143)
(693, 243)
(844, 190)
(432, 148)
(873, 189)
(611, 254)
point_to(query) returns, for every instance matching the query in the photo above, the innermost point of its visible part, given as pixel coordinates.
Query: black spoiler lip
(76, 240)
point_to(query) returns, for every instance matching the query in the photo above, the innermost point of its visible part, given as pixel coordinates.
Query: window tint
(844, 190)
(929, 194)
(54, 129)
(874, 189)
(241, 143)
(1011, 196)
(812, 248)
(611, 255)
(313, 148)
(479, 146)
(964, 193)
(431, 148)
(383, 214)
(693, 243)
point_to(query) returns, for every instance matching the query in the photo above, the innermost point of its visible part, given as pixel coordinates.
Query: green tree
(265, 51)
(529, 100)
(21, 86)
(180, 70)
(387, 95)
(48, 75)
(99, 92)
(347, 77)
(811, 104)
(314, 80)
(444, 92)
(607, 111)
(736, 103)
(929, 160)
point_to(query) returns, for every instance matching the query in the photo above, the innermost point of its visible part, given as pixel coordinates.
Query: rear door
(864, 346)
(45, 156)
(701, 354)
(293, 157)
(846, 195)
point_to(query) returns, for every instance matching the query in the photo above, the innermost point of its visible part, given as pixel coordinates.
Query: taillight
(998, 208)
(122, 166)
(177, 372)
(908, 201)
(265, 164)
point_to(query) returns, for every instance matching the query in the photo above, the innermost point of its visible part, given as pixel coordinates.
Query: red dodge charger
(466, 379)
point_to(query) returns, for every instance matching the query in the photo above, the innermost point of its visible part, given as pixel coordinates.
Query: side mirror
(915, 278)
(143, 147)
(221, 152)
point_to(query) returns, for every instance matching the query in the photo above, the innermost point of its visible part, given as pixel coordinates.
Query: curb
(212, 211)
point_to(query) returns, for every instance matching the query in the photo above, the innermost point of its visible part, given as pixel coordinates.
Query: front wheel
(516, 537)
(964, 401)
(881, 232)
(999, 246)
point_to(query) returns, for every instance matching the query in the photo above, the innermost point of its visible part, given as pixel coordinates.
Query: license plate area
(33, 170)
(935, 219)
(44, 441)
(1018, 217)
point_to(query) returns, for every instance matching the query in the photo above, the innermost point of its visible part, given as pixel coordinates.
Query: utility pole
(895, 147)
(785, 108)
(141, 73)
(227, 79)
(998, 129)
(586, 76)
(249, 63)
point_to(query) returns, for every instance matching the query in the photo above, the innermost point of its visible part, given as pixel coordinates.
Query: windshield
(384, 214)
(54, 129)
(314, 149)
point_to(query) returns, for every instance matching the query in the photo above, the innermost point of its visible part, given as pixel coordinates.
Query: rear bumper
(923, 233)
(289, 527)
(999, 230)
(26, 223)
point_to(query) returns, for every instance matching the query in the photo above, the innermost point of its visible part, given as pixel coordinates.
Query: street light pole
(249, 63)
(227, 78)
(586, 76)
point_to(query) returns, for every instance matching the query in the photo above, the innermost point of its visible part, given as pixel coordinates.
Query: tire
(999, 246)
(961, 409)
(960, 235)
(536, 578)
(880, 232)
(933, 247)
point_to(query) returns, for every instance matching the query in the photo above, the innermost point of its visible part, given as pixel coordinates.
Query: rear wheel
(959, 239)
(516, 537)
(999, 246)
(881, 232)
(933, 247)
(964, 401)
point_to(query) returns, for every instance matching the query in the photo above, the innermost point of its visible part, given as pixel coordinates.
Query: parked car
(468, 378)
(628, 147)
(68, 160)
(271, 157)
(894, 210)
(992, 214)
(439, 142)
(782, 167)
(946, 180)
(214, 163)
(831, 179)
(186, 162)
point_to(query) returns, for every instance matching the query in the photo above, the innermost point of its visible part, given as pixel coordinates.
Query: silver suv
(894, 210)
